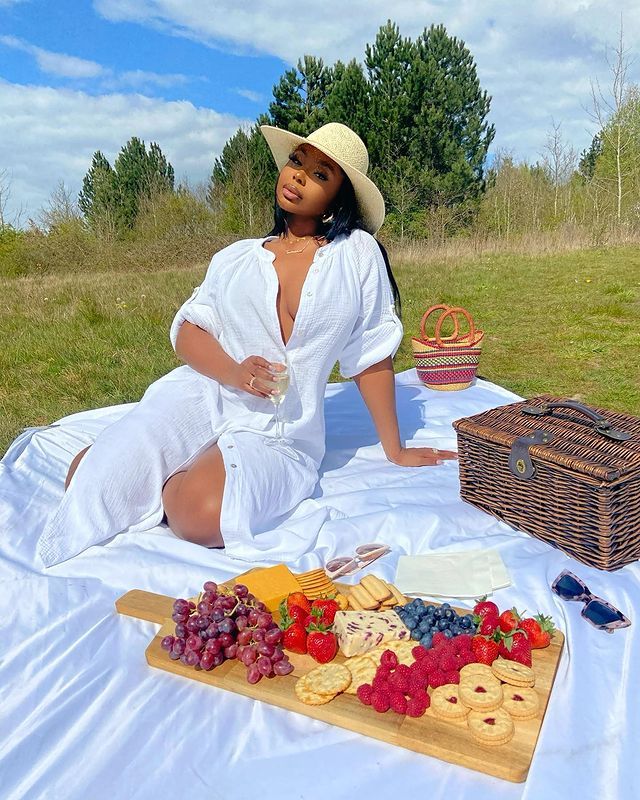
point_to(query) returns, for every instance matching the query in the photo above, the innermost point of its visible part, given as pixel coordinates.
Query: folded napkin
(464, 573)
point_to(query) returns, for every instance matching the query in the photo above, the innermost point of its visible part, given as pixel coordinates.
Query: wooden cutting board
(448, 741)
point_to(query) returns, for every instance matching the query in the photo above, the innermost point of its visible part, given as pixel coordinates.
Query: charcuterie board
(449, 741)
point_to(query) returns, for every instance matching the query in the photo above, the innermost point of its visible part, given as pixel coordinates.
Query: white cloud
(255, 97)
(59, 64)
(49, 135)
(535, 59)
(139, 79)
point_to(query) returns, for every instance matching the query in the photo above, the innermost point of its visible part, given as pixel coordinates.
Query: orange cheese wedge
(270, 584)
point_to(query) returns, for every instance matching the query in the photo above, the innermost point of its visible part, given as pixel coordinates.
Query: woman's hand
(421, 456)
(253, 375)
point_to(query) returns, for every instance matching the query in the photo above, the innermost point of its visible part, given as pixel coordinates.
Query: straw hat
(346, 148)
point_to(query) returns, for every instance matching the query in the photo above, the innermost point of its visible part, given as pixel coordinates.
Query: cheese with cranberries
(361, 631)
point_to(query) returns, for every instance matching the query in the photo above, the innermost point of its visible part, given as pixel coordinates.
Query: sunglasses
(348, 565)
(596, 610)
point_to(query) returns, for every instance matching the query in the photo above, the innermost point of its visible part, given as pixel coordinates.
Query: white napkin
(463, 573)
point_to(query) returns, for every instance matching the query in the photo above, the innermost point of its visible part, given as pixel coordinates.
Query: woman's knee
(193, 510)
(74, 466)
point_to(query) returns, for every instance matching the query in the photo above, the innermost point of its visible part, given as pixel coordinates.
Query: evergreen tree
(300, 95)
(348, 100)
(98, 197)
(110, 196)
(588, 158)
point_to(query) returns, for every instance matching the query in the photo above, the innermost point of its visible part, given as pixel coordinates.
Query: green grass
(566, 324)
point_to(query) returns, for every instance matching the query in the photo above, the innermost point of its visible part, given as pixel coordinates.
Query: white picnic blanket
(83, 716)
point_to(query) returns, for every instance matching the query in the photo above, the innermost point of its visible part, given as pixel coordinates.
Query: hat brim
(368, 196)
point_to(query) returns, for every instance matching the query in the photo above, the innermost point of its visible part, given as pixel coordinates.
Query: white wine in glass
(278, 385)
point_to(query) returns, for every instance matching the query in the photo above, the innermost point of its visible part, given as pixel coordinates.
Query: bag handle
(601, 424)
(428, 312)
(455, 337)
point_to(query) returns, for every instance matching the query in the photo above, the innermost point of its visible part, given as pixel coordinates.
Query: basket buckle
(520, 462)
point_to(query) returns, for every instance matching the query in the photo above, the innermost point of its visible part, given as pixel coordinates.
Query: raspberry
(430, 661)
(404, 670)
(448, 662)
(417, 706)
(421, 695)
(462, 642)
(389, 659)
(380, 701)
(383, 672)
(380, 684)
(419, 652)
(364, 693)
(398, 702)
(438, 638)
(399, 681)
(453, 676)
(417, 682)
(437, 678)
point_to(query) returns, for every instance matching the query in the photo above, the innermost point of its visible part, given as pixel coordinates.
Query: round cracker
(363, 670)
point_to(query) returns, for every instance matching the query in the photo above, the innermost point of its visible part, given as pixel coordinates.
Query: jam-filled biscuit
(491, 727)
(483, 670)
(480, 694)
(520, 701)
(513, 673)
(445, 703)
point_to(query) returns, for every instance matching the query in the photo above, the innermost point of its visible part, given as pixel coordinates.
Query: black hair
(344, 218)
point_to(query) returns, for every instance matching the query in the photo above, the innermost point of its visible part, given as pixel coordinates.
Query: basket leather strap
(520, 462)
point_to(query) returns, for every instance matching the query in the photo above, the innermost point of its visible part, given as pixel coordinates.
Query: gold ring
(253, 377)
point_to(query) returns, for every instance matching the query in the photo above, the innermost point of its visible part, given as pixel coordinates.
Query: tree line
(419, 107)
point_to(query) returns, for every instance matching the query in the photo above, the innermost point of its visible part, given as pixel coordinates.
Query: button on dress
(346, 314)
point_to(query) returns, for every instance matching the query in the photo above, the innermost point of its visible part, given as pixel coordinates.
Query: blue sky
(76, 77)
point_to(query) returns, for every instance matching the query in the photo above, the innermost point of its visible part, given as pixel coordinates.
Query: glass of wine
(278, 385)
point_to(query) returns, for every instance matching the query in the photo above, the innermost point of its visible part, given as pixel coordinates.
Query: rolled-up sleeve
(199, 309)
(378, 331)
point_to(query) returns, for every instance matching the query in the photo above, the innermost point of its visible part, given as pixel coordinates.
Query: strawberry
(485, 608)
(327, 607)
(322, 644)
(299, 599)
(516, 647)
(509, 620)
(539, 630)
(295, 638)
(488, 625)
(485, 649)
(298, 614)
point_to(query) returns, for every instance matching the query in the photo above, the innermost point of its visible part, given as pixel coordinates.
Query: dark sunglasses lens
(569, 587)
(600, 614)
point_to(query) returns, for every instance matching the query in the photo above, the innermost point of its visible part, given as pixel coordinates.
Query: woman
(316, 290)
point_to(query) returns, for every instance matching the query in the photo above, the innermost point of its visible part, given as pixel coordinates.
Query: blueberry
(448, 633)
(466, 622)
(455, 630)
(445, 606)
(416, 634)
(448, 614)
(437, 614)
(424, 625)
(431, 608)
(443, 624)
(426, 639)
(410, 621)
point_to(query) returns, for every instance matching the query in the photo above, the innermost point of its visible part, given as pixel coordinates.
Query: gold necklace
(299, 238)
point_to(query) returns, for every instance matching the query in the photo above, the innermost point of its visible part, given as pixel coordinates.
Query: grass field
(565, 323)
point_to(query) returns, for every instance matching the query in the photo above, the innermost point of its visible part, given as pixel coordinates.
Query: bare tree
(559, 161)
(608, 112)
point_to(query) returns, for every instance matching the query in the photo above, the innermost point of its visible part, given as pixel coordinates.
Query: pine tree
(299, 97)
(98, 197)
(348, 100)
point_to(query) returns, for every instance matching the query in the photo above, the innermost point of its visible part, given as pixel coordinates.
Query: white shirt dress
(346, 314)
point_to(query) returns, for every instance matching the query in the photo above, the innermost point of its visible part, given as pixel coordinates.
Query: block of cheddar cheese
(270, 584)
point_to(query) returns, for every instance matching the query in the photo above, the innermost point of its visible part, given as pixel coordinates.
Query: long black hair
(345, 217)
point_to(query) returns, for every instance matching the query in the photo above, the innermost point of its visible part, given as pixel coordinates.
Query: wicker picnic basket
(447, 363)
(563, 472)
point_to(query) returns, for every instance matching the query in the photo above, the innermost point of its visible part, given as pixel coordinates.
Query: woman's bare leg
(192, 499)
(74, 466)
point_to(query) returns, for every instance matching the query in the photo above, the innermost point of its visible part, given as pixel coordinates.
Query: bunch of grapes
(227, 624)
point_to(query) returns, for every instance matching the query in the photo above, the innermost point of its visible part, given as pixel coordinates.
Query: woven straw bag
(447, 363)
